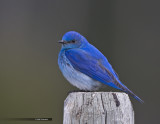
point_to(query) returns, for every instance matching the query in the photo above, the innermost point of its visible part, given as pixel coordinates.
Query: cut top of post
(98, 108)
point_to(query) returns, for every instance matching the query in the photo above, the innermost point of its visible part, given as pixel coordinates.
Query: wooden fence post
(98, 108)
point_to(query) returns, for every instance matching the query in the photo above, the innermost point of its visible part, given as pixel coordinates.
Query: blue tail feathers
(133, 95)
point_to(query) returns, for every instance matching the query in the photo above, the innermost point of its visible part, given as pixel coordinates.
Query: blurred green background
(31, 84)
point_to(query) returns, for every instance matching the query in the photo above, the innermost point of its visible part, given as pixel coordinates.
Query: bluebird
(85, 67)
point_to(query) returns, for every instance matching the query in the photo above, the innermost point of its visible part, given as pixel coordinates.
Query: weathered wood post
(98, 108)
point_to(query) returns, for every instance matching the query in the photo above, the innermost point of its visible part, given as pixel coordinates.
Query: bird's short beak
(62, 41)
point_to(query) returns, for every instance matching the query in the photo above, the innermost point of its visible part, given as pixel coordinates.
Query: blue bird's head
(72, 39)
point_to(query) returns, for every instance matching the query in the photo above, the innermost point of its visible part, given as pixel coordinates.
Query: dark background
(126, 32)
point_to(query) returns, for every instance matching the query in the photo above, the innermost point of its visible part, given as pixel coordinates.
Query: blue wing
(85, 63)
(95, 68)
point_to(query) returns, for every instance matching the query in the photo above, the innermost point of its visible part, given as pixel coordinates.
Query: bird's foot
(78, 91)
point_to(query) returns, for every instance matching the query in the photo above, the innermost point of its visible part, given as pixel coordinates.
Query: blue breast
(75, 77)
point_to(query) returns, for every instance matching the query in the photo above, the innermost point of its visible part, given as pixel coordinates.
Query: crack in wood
(116, 100)
(105, 111)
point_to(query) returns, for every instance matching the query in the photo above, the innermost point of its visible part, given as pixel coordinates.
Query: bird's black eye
(73, 41)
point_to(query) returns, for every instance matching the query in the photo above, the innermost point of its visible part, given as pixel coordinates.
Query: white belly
(75, 77)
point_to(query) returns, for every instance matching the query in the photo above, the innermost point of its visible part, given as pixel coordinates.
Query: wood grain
(98, 108)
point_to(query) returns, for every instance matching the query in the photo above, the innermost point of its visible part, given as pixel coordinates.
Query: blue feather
(87, 60)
